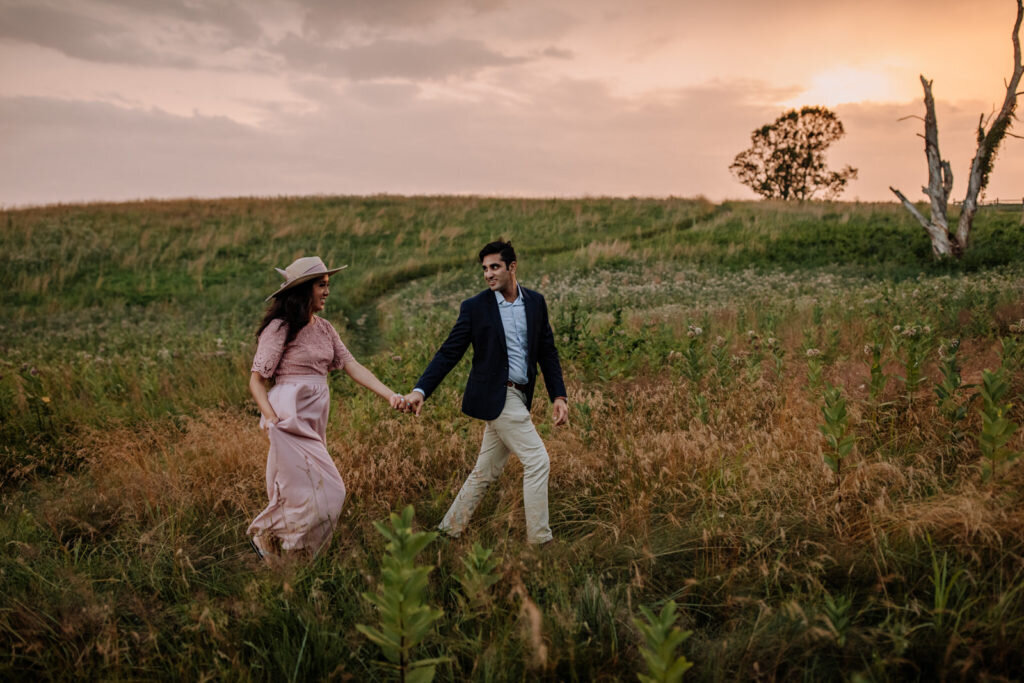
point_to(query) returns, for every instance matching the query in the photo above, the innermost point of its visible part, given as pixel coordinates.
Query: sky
(135, 99)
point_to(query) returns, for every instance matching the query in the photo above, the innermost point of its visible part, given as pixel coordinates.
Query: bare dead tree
(940, 177)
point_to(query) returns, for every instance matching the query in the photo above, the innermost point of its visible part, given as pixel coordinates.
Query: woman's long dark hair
(294, 306)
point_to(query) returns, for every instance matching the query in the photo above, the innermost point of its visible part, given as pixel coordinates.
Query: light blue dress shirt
(513, 319)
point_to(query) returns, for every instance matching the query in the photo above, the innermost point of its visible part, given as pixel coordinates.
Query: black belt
(520, 387)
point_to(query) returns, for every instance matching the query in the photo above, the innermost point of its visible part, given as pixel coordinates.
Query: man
(509, 330)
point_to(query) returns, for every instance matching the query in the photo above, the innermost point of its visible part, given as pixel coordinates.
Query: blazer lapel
(493, 315)
(531, 314)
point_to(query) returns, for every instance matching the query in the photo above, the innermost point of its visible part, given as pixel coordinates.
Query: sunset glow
(104, 99)
(843, 85)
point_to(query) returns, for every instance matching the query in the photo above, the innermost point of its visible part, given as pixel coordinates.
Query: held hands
(410, 403)
(414, 402)
(560, 411)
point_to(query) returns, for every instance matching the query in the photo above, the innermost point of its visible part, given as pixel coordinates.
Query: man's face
(496, 273)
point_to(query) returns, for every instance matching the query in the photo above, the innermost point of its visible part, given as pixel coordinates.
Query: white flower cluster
(871, 349)
(948, 348)
(912, 331)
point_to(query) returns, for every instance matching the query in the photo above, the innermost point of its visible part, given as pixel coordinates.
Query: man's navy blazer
(480, 324)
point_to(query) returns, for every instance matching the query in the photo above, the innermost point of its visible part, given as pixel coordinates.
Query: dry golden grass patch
(136, 475)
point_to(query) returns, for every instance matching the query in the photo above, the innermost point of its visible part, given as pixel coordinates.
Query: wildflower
(813, 353)
(948, 348)
(771, 341)
(719, 340)
(897, 329)
(1017, 328)
(692, 331)
(751, 334)
(44, 399)
(163, 354)
(220, 342)
(869, 349)
(33, 372)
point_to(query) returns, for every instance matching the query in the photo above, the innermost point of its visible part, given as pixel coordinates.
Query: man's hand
(560, 411)
(414, 402)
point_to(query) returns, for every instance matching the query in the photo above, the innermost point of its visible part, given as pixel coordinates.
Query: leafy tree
(787, 158)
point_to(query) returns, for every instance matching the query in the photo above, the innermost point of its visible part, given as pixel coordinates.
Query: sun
(844, 84)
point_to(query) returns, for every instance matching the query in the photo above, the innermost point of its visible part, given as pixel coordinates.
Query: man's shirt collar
(501, 297)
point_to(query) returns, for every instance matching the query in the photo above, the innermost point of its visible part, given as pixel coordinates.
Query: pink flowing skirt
(305, 489)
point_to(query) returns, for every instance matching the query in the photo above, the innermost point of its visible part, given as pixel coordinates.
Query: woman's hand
(258, 389)
(397, 402)
(267, 423)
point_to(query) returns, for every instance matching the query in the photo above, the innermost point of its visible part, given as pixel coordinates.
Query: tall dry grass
(691, 470)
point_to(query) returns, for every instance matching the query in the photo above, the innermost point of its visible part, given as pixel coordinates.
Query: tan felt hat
(302, 270)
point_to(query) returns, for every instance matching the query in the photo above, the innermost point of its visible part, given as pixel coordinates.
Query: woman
(296, 349)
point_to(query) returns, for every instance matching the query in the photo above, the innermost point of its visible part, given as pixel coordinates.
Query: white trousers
(512, 431)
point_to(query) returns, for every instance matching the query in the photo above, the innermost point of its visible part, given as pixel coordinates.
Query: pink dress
(305, 489)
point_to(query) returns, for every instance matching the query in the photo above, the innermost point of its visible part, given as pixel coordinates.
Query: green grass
(692, 470)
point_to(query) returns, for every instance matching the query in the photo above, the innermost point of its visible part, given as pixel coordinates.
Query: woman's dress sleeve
(270, 348)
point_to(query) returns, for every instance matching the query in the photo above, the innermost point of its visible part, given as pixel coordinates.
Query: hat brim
(303, 278)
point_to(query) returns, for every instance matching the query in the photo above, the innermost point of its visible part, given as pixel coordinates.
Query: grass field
(711, 352)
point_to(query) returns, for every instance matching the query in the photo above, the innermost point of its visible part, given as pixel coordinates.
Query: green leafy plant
(878, 378)
(1012, 353)
(695, 366)
(661, 639)
(836, 431)
(722, 359)
(476, 579)
(754, 356)
(951, 386)
(694, 363)
(996, 428)
(915, 343)
(405, 617)
(815, 365)
(836, 612)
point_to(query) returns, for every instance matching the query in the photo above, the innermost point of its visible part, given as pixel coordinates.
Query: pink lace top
(316, 350)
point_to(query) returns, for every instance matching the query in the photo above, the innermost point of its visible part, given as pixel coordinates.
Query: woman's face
(321, 289)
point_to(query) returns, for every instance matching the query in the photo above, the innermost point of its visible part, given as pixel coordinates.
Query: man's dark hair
(504, 249)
